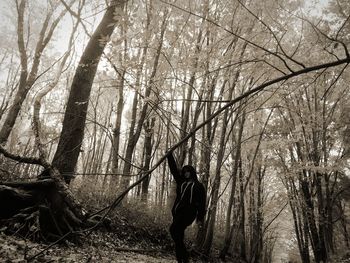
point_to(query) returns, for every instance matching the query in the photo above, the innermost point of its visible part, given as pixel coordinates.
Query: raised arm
(173, 168)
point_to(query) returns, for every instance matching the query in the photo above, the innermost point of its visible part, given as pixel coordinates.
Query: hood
(192, 171)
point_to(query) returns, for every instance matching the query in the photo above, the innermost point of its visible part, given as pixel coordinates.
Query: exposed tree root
(43, 210)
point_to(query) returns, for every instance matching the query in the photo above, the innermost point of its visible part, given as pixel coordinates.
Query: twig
(334, 82)
(127, 249)
(49, 246)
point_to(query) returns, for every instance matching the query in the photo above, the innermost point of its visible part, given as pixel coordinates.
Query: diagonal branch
(251, 92)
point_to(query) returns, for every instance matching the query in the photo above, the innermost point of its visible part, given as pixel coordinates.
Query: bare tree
(68, 148)
(28, 76)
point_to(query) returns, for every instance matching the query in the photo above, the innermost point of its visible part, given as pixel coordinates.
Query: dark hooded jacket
(190, 195)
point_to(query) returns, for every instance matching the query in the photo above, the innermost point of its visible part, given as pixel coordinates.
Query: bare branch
(230, 32)
(20, 38)
(315, 27)
(51, 86)
(342, 26)
(21, 159)
(76, 15)
(278, 41)
(335, 81)
(29, 185)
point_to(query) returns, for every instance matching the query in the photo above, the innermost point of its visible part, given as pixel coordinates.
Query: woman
(189, 205)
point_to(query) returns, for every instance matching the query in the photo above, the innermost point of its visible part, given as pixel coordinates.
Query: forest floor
(129, 239)
(123, 242)
(14, 249)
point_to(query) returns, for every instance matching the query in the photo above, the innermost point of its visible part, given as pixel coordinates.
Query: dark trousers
(177, 231)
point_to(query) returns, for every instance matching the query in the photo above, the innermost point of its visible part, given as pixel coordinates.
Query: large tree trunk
(68, 148)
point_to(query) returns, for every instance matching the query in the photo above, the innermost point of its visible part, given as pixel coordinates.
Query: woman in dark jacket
(189, 205)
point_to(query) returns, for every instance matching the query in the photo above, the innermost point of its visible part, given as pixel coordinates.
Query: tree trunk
(236, 157)
(186, 106)
(116, 136)
(242, 232)
(217, 179)
(26, 80)
(72, 134)
(208, 135)
(148, 145)
(135, 135)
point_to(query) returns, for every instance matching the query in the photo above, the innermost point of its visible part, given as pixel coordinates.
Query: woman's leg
(177, 231)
